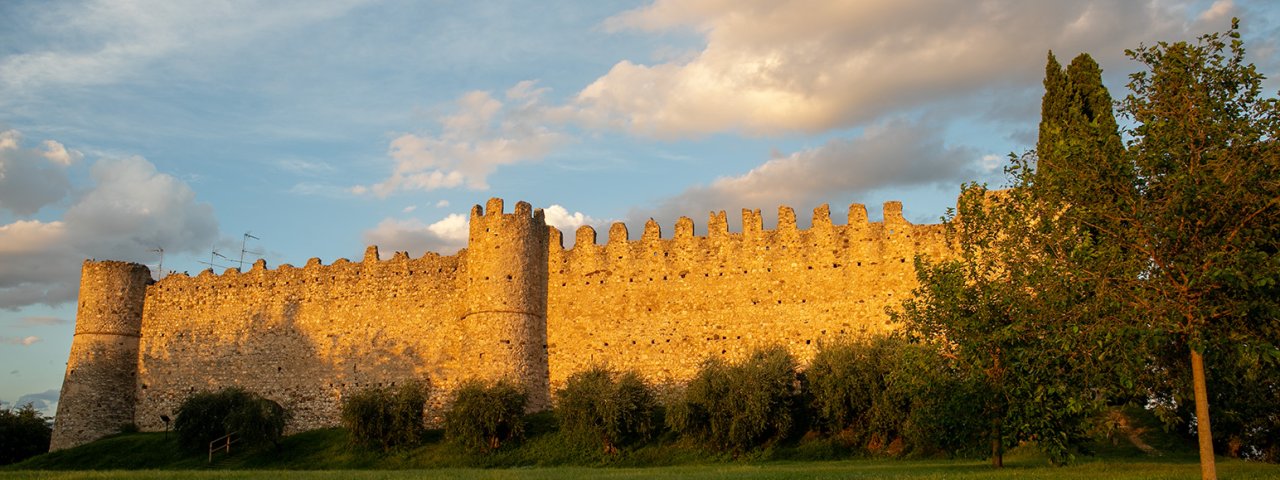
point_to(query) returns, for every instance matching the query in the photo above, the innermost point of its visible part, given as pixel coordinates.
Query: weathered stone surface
(515, 304)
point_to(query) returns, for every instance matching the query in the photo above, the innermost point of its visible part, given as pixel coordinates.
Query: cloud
(129, 209)
(774, 67)
(29, 178)
(24, 341)
(483, 134)
(895, 154)
(45, 401)
(115, 41)
(446, 236)
(559, 217)
(32, 321)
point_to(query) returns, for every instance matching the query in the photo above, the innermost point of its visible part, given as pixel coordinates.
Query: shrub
(598, 405)
(852, 394)
(24, 433)
(386, 417)
(483, 417)
(740, 406)
(207, 416)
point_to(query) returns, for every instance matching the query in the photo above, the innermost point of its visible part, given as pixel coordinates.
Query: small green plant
(386, 417)
(483, 417)
(206, 416)
(604, 407)
(740, 406)
(24, 432)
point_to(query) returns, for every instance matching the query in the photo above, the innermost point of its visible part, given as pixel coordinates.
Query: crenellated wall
(515, 304)
(662, 305)
(301, 336)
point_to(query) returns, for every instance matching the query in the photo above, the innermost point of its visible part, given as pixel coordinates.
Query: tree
(1029, 305)
(853, 393)
(1207, 219)
(24, 433)
(205, 416)
(742, 405)
(607, 408)
(485, 416)
(387, 417)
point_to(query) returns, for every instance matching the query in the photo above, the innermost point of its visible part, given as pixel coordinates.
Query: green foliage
(484, 417)
(740, 406)
(205, 416)
(603, 407)
(387, 417)
(24, 433)
(877, 390)
(1207, 222)
(848, 383)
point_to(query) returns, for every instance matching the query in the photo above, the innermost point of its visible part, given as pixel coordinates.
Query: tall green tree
(1207, 217)
(1029, 304)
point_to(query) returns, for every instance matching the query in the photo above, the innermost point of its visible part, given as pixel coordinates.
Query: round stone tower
(506, 319)
(98, 390)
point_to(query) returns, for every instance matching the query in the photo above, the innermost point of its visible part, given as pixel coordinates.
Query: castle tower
(506, 319)
(98, 391)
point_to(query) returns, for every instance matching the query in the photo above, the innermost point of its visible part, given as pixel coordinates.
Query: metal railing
(223, 443)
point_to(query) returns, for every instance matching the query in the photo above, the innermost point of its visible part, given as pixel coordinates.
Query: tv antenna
(213, 253)
(244, 240)
(159, 266)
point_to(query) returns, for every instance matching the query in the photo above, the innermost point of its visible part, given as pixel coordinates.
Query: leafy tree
(604, 407)
(24, 433)
(742, 405)
(205, 416)
(483, 417)
(1207, 215)
(852, 392)
(387, 417)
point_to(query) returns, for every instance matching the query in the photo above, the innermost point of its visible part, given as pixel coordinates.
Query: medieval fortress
(514, 304)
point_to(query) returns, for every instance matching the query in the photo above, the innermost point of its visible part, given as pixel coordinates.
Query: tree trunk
(997, 446)
(1208, 471)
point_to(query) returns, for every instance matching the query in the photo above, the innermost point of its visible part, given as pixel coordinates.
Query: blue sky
(323, 126)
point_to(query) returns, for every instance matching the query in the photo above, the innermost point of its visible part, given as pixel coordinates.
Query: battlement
(752, 227)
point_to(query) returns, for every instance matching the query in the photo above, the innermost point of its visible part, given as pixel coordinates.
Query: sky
(312, 128)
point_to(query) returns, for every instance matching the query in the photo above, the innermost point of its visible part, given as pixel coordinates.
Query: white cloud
(483, 134)
(445, 236)
(442, 203)
(24, 341)
(59, 154)
(896, 153)
(774, 67)
(409, 209)
(559, 217)
(29, 178)
(129, 209)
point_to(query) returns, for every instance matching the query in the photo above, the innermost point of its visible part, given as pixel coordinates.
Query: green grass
(851, 469)
(323, 454)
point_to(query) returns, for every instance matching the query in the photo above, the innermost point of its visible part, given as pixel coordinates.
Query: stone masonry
(515, 304)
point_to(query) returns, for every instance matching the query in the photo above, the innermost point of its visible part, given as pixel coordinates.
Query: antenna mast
(244, 240)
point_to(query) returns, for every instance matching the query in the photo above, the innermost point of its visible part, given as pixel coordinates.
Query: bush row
(879, 395)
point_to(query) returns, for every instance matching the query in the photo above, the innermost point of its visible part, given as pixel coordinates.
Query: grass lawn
(328, 454)
(889, 469)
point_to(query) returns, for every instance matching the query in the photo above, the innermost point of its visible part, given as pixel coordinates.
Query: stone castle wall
(515, 304)
(663, 305)
(301, 336)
